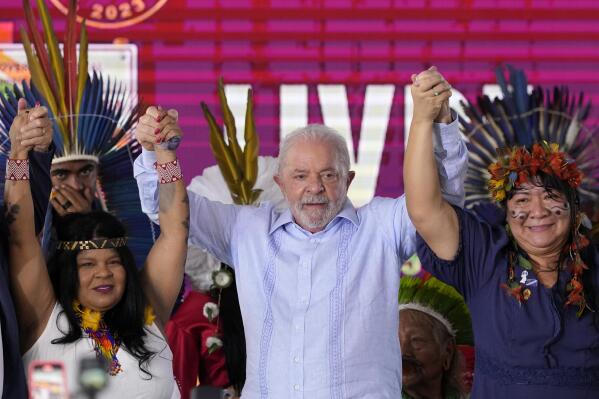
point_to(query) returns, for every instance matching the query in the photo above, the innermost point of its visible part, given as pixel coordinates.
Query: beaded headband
(101, 243)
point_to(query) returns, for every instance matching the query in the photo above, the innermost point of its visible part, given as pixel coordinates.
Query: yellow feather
(222, 153)
(39, 79)
(90, 319)
(82, 72)
(55, 56)
(149, 315)
(251, 150)
(229, 121)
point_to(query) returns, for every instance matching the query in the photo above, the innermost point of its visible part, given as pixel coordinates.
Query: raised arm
(162, 274)
(432, 216)
(32, 290)
(212, 222)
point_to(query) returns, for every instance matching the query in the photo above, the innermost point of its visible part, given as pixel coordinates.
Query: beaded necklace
(106, 344)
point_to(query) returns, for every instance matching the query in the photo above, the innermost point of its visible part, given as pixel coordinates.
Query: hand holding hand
(430, 94)
(159, 130)
(31, 129)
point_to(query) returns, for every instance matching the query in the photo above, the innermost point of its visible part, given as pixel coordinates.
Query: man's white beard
(316, 218)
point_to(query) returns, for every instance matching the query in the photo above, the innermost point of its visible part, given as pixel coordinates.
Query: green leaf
(213, 348)
(514, 284)
(525, 263)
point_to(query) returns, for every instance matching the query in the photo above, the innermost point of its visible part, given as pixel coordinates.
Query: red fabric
(186, 332)
(468, 352)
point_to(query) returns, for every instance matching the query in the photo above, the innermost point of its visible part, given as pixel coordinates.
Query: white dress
(130, 383)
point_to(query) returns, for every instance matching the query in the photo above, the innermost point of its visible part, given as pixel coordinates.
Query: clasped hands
(430, 94)
(31, 129)
(158, 130)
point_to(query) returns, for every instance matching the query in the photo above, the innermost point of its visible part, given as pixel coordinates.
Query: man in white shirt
(317, 282)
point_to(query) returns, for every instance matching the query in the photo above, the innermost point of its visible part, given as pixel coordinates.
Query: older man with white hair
(318, 281)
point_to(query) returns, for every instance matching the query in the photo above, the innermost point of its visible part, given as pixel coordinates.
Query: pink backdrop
(187, 44)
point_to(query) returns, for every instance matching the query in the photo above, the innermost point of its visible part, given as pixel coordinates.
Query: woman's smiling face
(539, 219)
(102, 278)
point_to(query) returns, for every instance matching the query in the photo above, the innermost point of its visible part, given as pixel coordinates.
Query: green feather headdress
(439, 301)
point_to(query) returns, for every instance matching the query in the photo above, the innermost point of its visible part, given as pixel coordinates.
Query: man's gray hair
(317, 132)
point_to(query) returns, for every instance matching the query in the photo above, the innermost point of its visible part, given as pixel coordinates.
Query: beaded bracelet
(17, 169)
(168, 172)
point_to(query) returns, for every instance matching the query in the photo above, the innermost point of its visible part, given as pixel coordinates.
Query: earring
(446, 363)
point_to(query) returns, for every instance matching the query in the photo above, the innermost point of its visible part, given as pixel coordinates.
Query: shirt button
(297, 327)
(296, 359)
(303, 298)
(296, 387)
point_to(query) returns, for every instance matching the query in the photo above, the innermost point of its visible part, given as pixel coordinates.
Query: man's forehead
(308, 153)
(73, 165)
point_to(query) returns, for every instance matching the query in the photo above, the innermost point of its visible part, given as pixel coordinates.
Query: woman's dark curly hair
(126, 319)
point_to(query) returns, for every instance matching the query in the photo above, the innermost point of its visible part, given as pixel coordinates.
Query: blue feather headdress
(522, 118)
(93, 119)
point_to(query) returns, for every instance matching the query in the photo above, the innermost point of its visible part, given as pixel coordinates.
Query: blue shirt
(536, 350)
(319, 310)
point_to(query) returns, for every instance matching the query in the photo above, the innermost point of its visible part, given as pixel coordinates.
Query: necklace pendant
(523, 276)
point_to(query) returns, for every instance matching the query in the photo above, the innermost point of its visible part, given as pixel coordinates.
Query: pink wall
(188, 44)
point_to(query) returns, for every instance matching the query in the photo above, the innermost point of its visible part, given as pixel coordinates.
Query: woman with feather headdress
(91, 299)
(526, 267)
(93, 116)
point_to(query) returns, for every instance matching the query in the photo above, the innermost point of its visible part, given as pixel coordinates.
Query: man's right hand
(65, 199)
(30, 128)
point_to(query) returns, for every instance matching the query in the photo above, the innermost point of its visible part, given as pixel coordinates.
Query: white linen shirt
(319, 310)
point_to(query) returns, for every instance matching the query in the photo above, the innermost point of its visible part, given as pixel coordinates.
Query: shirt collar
(347, 212)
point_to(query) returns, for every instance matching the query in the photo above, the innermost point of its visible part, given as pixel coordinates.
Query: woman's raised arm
(32, 290)
(434, 219)
(163, 272)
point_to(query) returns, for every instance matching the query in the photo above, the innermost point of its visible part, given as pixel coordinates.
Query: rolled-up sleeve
(452, 160)
(211, 222)
(147, 183)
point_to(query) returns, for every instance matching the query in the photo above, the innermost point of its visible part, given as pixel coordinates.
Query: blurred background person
(433, 321)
